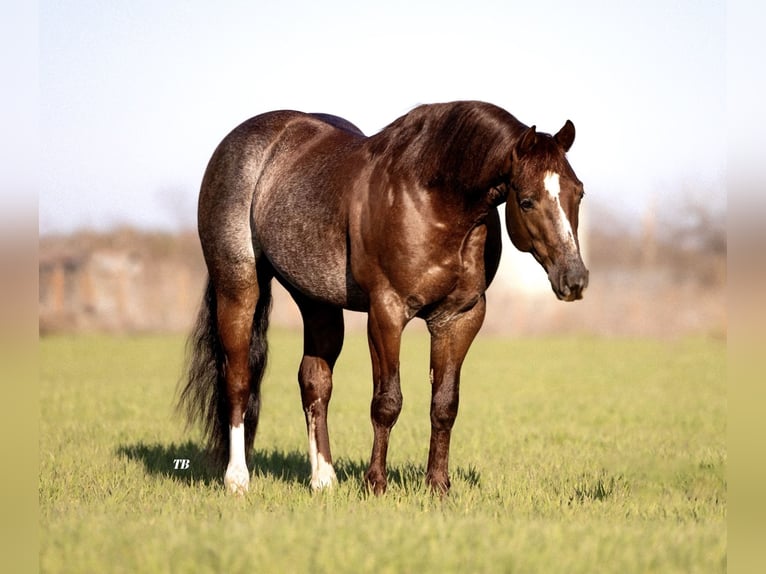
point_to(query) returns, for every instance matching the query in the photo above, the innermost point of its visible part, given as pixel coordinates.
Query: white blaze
(564, 227)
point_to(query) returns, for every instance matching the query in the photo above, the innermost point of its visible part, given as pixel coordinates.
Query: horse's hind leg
(236, 306)
(242, 305)
(240, 278)
(322, 342)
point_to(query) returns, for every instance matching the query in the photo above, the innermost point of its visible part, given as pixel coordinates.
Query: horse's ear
(565, 137)
(526, 141)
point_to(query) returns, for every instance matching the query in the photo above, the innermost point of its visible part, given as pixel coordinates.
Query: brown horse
(402, 224)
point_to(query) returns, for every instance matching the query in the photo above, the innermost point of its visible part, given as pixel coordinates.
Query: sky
(134, 96)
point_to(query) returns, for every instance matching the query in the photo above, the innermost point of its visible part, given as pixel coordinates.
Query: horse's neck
(479, 157)
(464, 147)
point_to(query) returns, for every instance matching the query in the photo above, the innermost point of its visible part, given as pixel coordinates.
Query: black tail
(203, 396)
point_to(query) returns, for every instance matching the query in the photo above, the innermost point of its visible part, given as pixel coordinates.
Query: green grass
(569, 455)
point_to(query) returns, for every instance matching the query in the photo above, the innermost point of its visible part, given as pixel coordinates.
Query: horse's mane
(461, 145)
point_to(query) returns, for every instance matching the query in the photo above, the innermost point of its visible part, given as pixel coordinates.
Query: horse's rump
(279, 185)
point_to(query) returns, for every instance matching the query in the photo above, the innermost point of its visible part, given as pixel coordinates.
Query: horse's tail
(203, 396)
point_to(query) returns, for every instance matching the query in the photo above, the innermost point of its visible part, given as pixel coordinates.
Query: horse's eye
(526, 204)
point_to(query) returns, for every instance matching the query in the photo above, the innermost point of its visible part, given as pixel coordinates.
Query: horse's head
(542, 208)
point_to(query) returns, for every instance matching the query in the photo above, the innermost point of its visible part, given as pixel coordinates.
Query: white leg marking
(237, 478)
(564, 227)
(322, 472)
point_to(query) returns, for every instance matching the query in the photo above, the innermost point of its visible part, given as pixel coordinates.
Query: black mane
(460, 145)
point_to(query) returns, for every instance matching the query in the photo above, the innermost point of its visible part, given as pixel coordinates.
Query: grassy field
(569, 455)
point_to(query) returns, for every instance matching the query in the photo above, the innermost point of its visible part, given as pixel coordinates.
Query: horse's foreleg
(235, 322)
(323, 339)
(384, 332)
(449, 344)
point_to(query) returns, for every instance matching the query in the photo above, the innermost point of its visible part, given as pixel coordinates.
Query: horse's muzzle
(569, 282)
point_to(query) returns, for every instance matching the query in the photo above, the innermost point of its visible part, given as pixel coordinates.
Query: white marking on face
(552, 185)
(564, 227)
(322, 472)
(237, 478)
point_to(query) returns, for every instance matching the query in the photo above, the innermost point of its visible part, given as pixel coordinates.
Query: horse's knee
(444, 413)
(386, 407)
(444, 402)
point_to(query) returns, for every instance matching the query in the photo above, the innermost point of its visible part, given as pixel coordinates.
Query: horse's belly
(313, 263)
(321, 279)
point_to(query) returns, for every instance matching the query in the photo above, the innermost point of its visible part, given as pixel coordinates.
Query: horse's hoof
(324, 479)
(323, 484)
(237, 480)
(438, 486)
(375, 484)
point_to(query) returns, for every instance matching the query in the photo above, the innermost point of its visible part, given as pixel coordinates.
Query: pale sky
(134, 96)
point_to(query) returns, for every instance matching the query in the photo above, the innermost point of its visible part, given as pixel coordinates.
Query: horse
(398, 225)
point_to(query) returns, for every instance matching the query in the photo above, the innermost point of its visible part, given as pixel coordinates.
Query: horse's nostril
(578, 281)
(573, 285)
